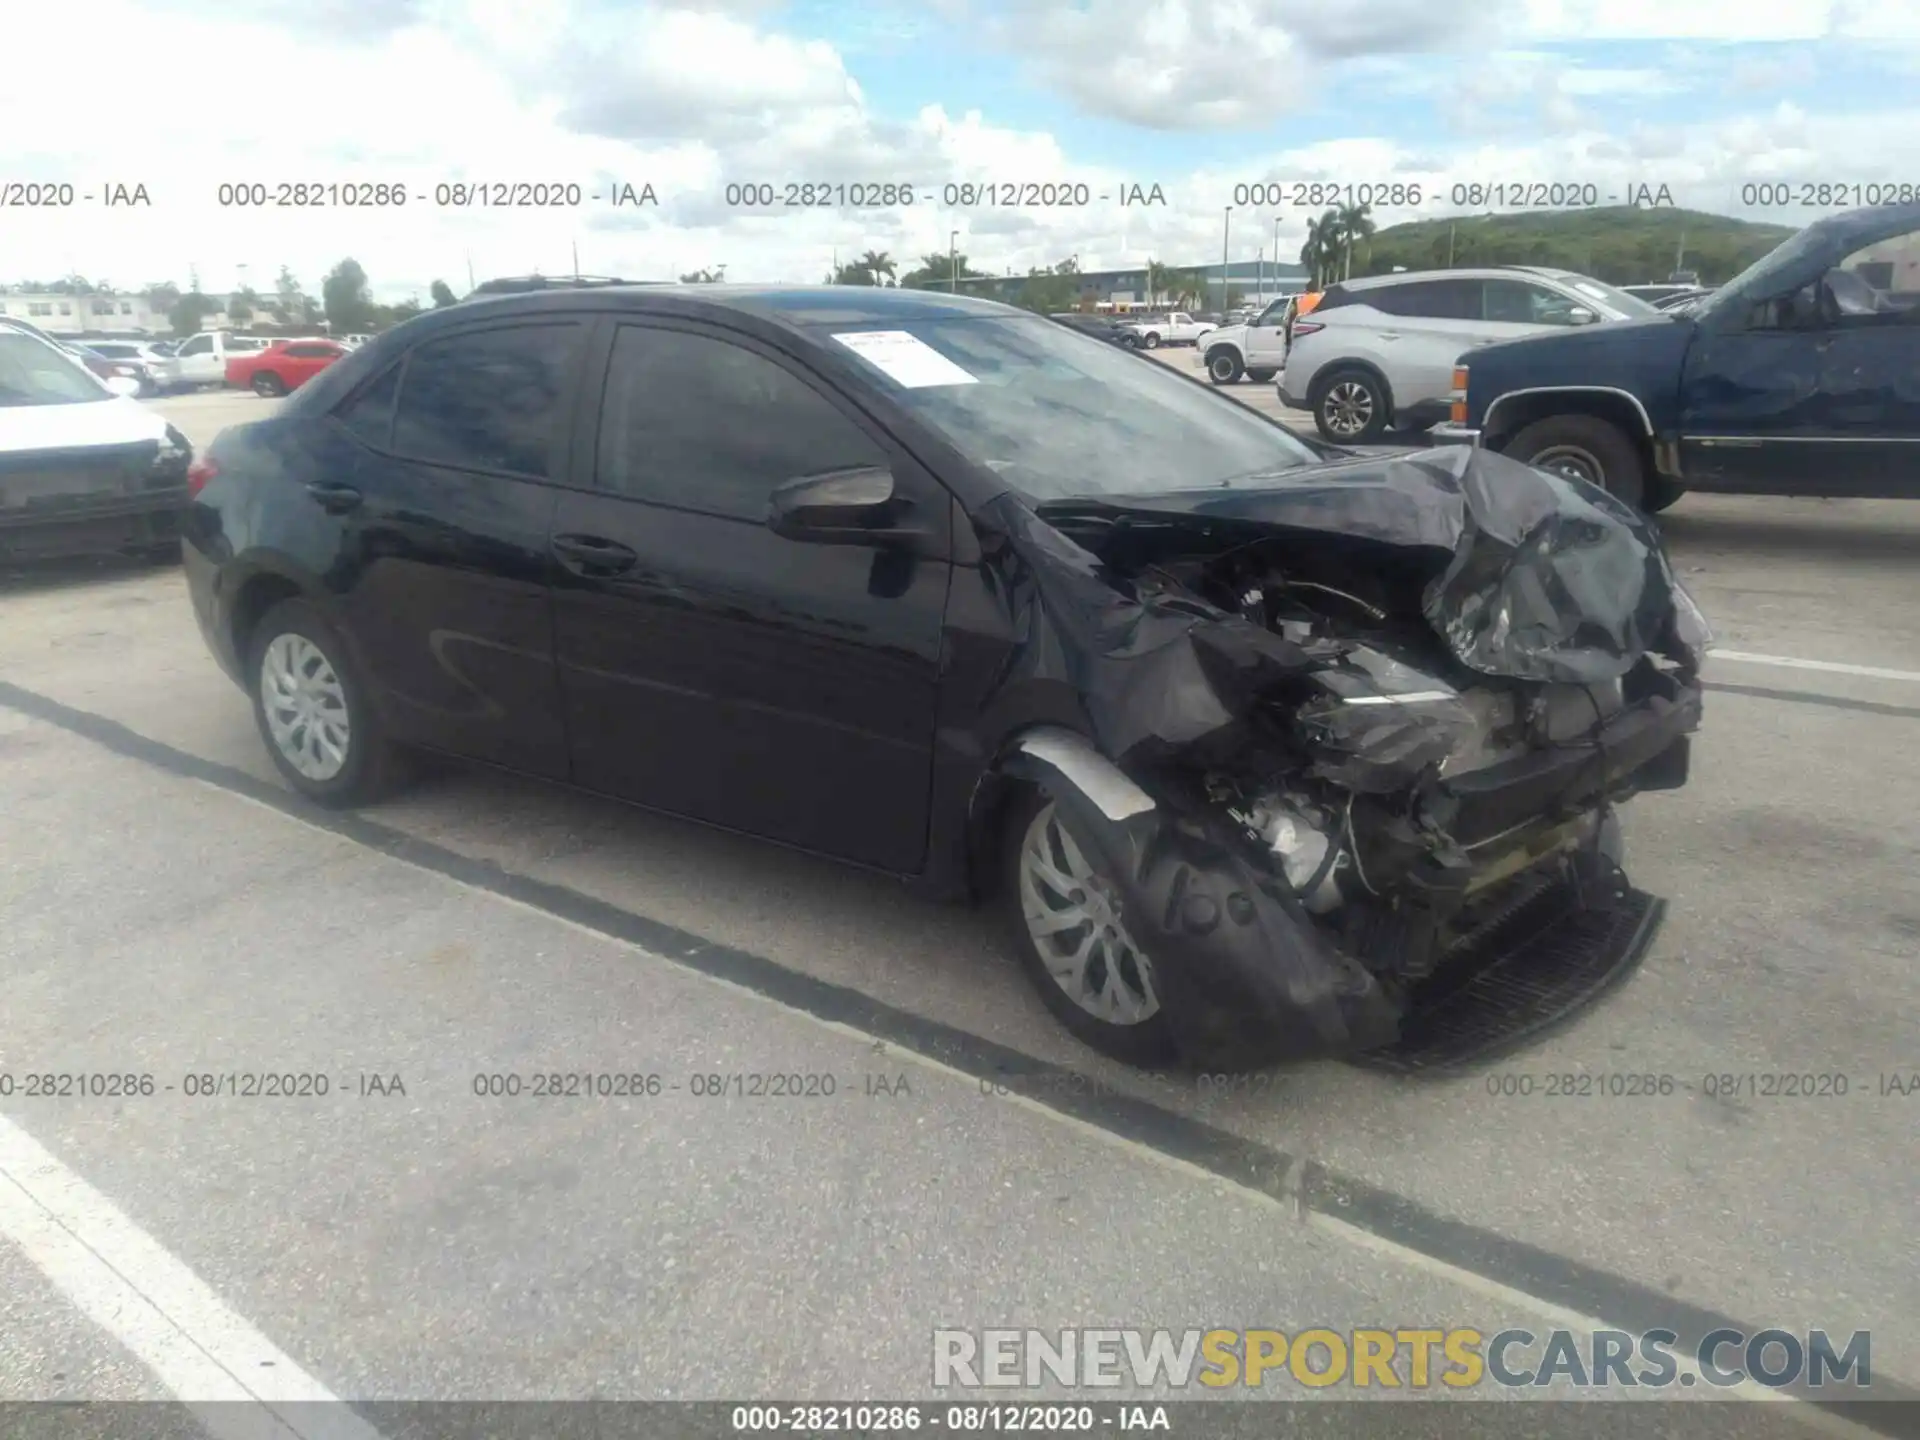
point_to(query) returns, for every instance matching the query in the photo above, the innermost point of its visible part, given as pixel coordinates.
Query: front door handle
(594, 555)
(334, 499)
(1386, 334)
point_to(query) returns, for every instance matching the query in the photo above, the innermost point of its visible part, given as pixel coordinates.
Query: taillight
(1307, 327)
(1457, 411)
(198, 474)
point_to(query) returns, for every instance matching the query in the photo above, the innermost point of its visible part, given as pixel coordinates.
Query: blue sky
(689, 95)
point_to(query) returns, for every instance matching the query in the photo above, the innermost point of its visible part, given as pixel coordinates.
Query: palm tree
(1321, 248)
(876, 263)
(1356, 226)
(1159, 280)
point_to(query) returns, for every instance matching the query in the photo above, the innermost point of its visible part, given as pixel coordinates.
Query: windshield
(1629, 307)
(34, 373)
(1057, 414)
(1784, 256)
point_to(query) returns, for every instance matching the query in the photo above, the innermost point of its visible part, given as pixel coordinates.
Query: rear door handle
(334, 499)
(1386, 334)
(593, 555)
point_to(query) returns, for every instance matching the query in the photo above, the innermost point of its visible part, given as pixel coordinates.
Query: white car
(1178, 328)
(84, 468)
(202, 359)
(1378, 353)
(1256, 349)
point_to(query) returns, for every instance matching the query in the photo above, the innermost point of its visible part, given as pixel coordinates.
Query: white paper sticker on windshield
(905, 359)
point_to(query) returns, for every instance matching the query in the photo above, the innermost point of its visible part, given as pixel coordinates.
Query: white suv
(1378, 353)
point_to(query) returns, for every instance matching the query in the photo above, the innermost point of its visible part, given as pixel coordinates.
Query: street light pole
(1276, 251)
(953, 270)
(1226, 222)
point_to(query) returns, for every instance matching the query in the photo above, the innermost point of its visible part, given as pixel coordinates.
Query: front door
(1267, 338)
(200, 363)
(713, 668)
(1815, 392)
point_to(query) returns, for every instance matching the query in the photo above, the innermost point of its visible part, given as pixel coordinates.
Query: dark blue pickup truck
(1799, 377)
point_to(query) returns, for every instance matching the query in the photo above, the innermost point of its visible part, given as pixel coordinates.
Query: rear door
(1425, 326)
(718, 670)
(445, 581)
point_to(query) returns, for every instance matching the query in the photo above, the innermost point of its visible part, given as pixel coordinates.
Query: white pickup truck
(1175, 329)
(1256, 349)
(202, 360)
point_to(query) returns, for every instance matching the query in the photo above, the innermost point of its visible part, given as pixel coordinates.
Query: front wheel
(1224, 367)
(1072, 941)
(313, 712)
(1585, 447)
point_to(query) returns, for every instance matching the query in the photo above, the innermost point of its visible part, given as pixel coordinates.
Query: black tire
(1335, 392)
(1593, 449)
(1223, 365)
(1148, 1043)
(373, 766)
(1150, 340)
(268, 385)
(1261, 377)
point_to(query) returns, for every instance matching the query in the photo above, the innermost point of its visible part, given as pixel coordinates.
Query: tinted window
(1429, 299)
(1518, 302)
(697, 422)
(488, 399)
(369, 413)
(309, 352)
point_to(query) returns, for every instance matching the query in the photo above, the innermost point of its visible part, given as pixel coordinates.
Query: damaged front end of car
(1351, 742)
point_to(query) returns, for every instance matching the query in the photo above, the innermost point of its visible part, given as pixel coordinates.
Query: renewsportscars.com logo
(1416, 1358)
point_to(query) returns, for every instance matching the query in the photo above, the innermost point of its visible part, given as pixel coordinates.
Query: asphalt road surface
(171, 911)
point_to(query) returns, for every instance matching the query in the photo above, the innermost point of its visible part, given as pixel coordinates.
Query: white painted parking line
(1832, 667)
(238, 1384)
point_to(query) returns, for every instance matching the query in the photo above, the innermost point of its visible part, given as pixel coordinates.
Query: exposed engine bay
(1387, 745)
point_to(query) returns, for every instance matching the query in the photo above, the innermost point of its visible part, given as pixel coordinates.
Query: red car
(284, 365)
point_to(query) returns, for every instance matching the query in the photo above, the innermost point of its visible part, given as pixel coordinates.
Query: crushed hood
(1525, 574)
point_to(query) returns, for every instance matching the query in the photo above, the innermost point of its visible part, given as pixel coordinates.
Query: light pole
(1226, 222)
(1276, 252)
(953, 270)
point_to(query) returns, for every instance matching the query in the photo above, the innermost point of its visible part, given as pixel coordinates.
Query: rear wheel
(1150, 340)
(1223, 366)
(1350, 407)
(1586, 448)
(268, 385)
(1071, 940)
(312, 710)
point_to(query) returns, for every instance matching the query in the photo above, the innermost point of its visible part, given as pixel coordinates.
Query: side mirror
(1580, 315)
(842, 507)
(123, 385)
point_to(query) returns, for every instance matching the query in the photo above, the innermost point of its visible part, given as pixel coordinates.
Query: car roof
(793, 306)
(1463, 272)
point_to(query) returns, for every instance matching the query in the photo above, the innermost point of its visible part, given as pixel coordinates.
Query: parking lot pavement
(167, 919)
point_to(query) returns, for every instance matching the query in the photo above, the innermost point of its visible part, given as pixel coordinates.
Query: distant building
(1253, 282)
(66, 315)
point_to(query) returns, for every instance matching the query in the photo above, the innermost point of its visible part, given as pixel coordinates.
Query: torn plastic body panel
(1359, 704)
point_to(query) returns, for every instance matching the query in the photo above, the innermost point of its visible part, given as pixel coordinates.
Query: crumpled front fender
(1245, 976)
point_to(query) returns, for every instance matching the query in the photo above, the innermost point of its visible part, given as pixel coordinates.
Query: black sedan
(1266, 750)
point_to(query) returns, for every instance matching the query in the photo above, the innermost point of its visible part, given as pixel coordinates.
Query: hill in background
(1621, 244)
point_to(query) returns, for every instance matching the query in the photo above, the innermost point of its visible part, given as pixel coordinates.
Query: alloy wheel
(306, 707)
(1075, 926)
(1348, 408)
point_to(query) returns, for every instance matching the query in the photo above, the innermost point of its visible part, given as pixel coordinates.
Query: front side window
(487, 399)
(199, 345)
(1520, 302)
(706, 425)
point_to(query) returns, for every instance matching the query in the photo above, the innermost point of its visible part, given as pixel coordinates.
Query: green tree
(1355, 226)
(877, 263)
(936, 271)
(1051, 289)
(189, 310)
(442, 294)
(348, 301)
(242, 305)
(1321, 251)
(705, 277)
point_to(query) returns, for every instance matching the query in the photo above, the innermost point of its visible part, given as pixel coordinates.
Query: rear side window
(310, 352)
(369, 412)
(487, 399)
(1430, 299)
(705, 425)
